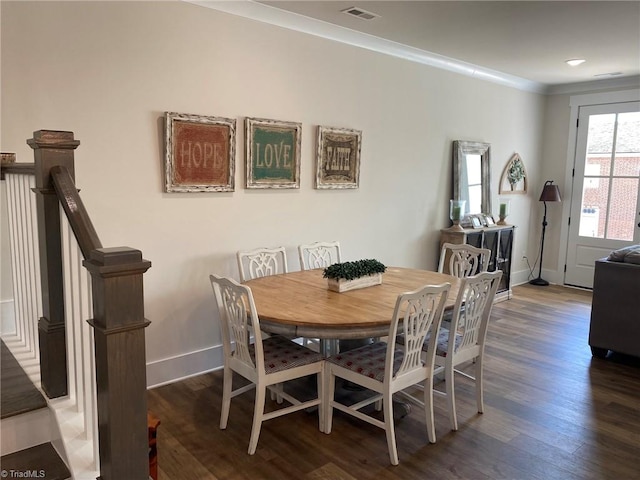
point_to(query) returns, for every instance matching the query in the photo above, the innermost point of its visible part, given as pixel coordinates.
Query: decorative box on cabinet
(499, 240)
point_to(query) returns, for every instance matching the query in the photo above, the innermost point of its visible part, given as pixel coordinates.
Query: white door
(605, 204)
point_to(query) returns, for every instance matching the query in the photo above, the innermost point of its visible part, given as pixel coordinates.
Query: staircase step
(41, 461)
(18, 394)
(25, 415)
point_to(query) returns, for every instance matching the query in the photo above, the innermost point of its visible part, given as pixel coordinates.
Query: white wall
(108, 71)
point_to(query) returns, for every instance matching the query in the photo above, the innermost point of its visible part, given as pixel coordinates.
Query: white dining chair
(386, 369)
(464, 341)
(261, 262)
(319, 255)
(266, 363)
(463, 260)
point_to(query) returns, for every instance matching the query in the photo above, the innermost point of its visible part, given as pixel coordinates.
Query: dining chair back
(385, 368)
(464, 340)
(261, 262)
(266, 362)
(463, 260)
(319, 255)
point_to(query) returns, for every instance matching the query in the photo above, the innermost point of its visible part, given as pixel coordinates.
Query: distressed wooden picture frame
(338, 158)
(272, 153)
(199, 153)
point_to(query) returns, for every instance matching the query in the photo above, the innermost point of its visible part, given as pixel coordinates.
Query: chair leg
(258, 411)
(328, 389)
(279, 388)
(321, 408)
(479, 386)
(390, 428)
(227, 385)
(451, 397)
(428, 410)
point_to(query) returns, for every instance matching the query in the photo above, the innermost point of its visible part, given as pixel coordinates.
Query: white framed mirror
(472, 175)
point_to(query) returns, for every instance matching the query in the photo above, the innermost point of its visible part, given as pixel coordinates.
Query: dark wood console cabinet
(498, 239)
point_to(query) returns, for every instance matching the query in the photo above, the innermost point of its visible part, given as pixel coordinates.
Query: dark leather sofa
(615, 310)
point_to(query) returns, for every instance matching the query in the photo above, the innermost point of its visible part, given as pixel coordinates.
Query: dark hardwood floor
(551, 412)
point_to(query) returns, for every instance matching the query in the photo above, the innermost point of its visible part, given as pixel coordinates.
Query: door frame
(575, 102)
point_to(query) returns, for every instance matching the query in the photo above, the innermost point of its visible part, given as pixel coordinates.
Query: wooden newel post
(119, 323)
(51, 149)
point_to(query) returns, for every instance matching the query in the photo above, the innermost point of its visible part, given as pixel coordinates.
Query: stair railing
(21, 224)
(117, 303)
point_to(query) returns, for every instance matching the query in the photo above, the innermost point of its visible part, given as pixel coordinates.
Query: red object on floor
(152, 425)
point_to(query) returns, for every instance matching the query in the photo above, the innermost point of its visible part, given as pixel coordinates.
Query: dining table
(300, 304)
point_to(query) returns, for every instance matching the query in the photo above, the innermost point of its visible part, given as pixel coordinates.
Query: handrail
(77, 215)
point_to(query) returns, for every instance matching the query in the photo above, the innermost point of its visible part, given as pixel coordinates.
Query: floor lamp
(550, 193)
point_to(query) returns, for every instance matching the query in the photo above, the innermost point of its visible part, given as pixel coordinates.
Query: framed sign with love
(272, 153)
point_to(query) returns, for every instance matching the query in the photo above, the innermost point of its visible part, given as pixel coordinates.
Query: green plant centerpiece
(345, 276)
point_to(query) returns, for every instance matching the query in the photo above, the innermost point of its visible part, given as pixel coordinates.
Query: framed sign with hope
(199, 153)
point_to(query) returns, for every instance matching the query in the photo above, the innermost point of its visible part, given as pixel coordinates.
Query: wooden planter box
(342, 285)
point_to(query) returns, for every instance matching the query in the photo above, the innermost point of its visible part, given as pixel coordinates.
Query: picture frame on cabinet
(272, 153)
(475, 221)
(489, 220)
(199, 153)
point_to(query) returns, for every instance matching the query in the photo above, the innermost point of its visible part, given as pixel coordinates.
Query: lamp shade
(550, 192)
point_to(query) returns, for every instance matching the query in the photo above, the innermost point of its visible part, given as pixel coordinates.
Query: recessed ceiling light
(574, 62)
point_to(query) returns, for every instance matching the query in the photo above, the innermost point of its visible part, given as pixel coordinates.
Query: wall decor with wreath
(514, 177)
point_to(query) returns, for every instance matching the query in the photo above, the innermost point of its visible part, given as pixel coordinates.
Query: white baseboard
(7, 318)
(523, 276)
(179, 367)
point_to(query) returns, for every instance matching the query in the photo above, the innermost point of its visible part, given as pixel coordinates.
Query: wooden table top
(299, 303)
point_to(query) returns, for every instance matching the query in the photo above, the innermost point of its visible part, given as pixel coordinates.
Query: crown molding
(300, 23)
(595, 85)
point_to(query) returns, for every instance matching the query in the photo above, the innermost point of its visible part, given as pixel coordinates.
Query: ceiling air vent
(360, 13)
(608, 74)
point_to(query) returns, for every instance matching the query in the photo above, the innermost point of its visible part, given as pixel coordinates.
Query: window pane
(622, 210)
(627, 161)
(628, 139)
(597, 165)
(600, 137)
(627, 166)
(594, 207)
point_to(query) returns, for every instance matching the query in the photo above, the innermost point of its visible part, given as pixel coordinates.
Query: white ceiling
(527, 40)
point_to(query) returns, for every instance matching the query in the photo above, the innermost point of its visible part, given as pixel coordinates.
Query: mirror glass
(471, 175)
